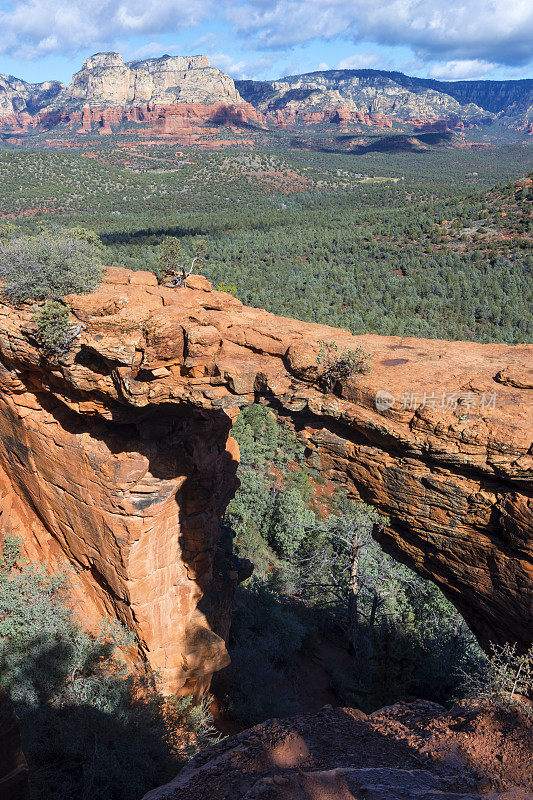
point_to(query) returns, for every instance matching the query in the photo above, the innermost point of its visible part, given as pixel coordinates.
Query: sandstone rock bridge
(117, 458)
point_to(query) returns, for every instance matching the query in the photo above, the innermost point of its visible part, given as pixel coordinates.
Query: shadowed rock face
(117, 457)
(13, 766)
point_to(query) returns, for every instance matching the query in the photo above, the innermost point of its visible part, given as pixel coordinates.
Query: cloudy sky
(446, 39)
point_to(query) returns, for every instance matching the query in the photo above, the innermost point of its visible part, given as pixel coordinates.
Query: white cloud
(461, 70)
(322, 67)
(490, 30)
(241, 69)
(153, 50)
(33, 27)
(358, 61)
(289, 22)
(455, 31)
(206, 42)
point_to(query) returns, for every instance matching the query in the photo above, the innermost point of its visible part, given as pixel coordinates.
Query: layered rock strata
(117, 457)
(165, 93)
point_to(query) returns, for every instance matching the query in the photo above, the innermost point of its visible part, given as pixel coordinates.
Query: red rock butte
(116, 458)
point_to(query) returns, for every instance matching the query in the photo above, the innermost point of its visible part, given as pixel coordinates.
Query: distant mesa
(108, 92)
(379, 98)
(105, 92)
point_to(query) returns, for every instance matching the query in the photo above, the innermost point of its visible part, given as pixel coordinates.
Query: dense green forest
(404, 244)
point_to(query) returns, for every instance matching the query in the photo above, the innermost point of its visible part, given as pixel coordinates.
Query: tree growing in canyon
(318, 564)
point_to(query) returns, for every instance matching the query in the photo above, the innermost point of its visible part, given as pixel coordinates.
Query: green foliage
(264, 639)
(264, 440)
(200, 247)
(290, 523)
(7, 230)
(406, 639)
(48, 266)
(394, 257)
(169, 255)
(339, 366)
(52, 326)
(10, 552)
(229, 287)
(91, 727)
(86, 235)
(504, 678)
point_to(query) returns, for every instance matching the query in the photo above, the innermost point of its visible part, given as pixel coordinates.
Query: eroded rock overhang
(117, 457)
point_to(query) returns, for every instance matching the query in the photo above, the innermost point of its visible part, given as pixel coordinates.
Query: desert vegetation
(50, 264)
(92, 725)
(434, 253)
(320, 576)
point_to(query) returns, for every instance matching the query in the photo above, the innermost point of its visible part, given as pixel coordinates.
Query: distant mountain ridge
(370, 91)
(105, 80)
(18, 96)
(105, 84)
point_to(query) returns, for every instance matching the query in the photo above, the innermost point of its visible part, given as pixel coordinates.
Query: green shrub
(339, 366)
(7, 231)
(504, 678)
(169, 255)
(49, 266)
(265, 637)
(227, 286)
(86, 235)
(52, 326)
(92, 728)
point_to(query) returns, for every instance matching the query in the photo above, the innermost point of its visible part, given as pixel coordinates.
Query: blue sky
(458, 39)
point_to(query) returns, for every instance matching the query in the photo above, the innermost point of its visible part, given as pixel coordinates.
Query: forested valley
(435, 244)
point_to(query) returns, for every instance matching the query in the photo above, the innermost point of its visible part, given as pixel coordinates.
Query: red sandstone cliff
(116, 457)
(160, 120)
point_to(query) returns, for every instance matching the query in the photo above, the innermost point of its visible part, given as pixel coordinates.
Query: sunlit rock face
(105, 80)
(373, 96)
(367, 96)
(166, 94)
(117, 458)
(107, 87)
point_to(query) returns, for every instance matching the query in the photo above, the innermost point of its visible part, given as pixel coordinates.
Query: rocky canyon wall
(116, 458)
